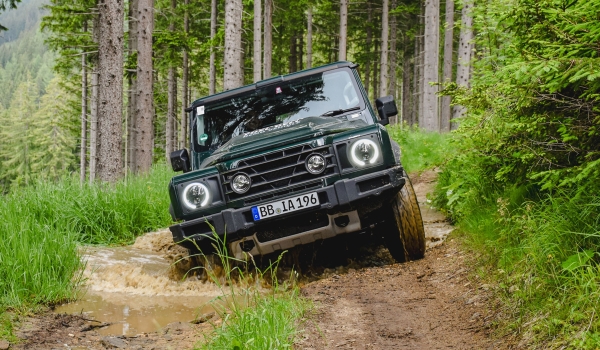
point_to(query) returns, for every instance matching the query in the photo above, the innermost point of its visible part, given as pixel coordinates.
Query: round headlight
(316, 164)
(241, 183)
(363, 152)
(196, 195)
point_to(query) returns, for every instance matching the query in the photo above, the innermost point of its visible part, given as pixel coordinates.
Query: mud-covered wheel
(405, 235)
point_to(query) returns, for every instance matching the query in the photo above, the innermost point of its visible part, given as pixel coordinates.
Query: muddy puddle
(135, 289)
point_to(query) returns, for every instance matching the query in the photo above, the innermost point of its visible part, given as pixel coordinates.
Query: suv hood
(280, 135)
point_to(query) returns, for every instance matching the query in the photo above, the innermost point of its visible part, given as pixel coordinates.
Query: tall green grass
(541, 250)
(253, 317)
(41, 225)
(421, 149)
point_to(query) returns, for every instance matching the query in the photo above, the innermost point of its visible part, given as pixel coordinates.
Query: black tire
(405, 234)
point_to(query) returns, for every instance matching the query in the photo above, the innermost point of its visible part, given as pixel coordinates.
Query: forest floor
(433, 303)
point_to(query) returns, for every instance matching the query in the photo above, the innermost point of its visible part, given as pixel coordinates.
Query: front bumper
(360, 195)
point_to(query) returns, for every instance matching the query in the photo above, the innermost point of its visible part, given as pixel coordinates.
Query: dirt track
(426, 304)
(372, 304)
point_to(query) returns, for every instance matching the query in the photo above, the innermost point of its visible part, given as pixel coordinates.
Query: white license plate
(285, 206)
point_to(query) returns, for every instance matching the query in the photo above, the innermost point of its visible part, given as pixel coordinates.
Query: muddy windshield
(330, 94)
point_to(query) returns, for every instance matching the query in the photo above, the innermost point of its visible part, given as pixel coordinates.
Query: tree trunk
(377, 47)
(431, 61)
(268, 49)
(406, 92)
(171, 97)
(233, 75)
(212, 82)
(343, 29)
(110, 96)
(448, 44)
(300, 50)
(421, 112)
(414, 114)
(184, 83)
(84, 87)
(145, 79)
(465, 48)
(131, 92)
(393, 54)
(293, 53)
(369, 42)
(309, 36)
(257, 40)
(383, 71)
(94, 125)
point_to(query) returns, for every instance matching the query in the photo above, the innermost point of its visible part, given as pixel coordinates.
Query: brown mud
(433, 303)
(135, 297)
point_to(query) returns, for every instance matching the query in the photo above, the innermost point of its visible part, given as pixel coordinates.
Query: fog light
(316, 164)
(241, 183)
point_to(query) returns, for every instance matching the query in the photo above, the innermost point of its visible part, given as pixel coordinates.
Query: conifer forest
(499, 99)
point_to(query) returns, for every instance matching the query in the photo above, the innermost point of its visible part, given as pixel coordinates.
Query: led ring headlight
(363, 152)
(315, 164)
(241, 183)
(196, 195)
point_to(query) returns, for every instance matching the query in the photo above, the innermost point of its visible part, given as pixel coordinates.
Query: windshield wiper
(338, 111)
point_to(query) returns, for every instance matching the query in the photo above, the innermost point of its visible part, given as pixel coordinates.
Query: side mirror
(180, 160)
(386, 108)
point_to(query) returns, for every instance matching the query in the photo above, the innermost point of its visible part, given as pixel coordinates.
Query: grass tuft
(421, 149)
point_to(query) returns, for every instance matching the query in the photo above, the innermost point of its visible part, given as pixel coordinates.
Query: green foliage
(41, 226)
(523, 182)
(421, 149)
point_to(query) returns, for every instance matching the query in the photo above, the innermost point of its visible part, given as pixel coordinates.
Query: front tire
(405, 234)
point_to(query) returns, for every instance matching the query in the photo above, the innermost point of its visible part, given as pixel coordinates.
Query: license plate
(285, 206)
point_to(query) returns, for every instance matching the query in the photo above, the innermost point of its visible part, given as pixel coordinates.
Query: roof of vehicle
(270, 81)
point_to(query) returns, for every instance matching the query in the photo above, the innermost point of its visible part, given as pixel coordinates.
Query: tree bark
(369, 42)
(421, 104)
(171, 97)
(448, 44)
(293, 67)
(184, 82)
(309, 36)
(131, 92)
(383, 71)
(343, 29)
(393, 53)
(84, 87)
(414, 115)
(431, 61)
(375, 79)
(212, 82)
(145, 79)
(257, 40)
(268, 45)
(406, 92)
(110, 81)
(233, 75)
(465, 48)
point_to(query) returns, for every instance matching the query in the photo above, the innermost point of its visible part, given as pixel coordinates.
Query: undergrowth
(252, 317)
(42, 225)
(421, 149)
(539, 248)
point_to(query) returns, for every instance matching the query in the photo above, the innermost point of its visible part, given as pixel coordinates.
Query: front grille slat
(274, 173)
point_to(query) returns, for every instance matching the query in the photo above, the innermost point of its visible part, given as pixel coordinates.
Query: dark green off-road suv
(291, 160)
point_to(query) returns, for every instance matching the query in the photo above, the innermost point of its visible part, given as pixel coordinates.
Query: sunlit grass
(421, 150)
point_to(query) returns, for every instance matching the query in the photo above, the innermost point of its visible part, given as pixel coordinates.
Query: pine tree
(18, 139)
(53, 152)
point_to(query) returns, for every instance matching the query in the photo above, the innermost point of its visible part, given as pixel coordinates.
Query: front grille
(279, 171)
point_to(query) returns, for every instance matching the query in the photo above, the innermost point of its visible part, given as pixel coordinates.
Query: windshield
(329, 94)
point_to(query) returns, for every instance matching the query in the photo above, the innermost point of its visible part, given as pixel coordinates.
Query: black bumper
(362, 193)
